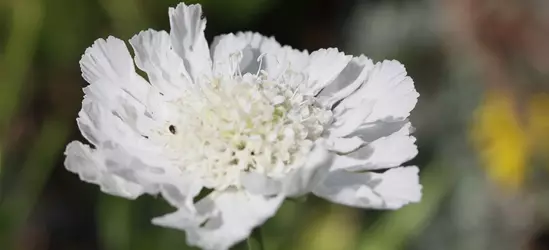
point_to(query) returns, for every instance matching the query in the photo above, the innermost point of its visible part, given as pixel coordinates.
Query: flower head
(250, 120)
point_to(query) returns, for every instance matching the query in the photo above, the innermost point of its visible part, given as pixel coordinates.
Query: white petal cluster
(250, 120)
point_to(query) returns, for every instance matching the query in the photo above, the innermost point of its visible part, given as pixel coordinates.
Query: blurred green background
(481, 67)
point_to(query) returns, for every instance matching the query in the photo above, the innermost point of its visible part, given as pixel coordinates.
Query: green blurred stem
(256, 237)
(114, 214)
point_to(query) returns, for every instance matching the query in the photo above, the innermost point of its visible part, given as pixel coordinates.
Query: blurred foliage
(459, 53)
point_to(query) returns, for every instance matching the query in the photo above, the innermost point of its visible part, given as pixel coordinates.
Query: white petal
(388, 93)
(188, 218)
(114, 84)
(370, 132)
(285, 61)
(275, 59)
(188, 40)
(90, 165)
(390, 190)
(324, 66)
(253, 49)
(100, 125)
(227, 53)
(304, 178)
(180, 192)
(352, 77)
(108, 62)
(397, 94)
(385, 152)
(178, 188)
(155, 56)
(126, 153)
(259, 47)
(260, 184)
(230, 218)
(344, 145)
(347, 120)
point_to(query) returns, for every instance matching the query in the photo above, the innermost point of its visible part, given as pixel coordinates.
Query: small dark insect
(172, 129)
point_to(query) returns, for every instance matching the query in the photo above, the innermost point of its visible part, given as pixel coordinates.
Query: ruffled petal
(397, 94)
(347, 120)
(344, 145)
(155, 56)
(352, 77)
(90, 165)
(388, 94)
(178, 192)
(259, 47)
(222, 219)
(188, 40)
(390, 190)
(114, 86)
(286, 61)
(249, 48)
(372, 131)
(384, 152)
(103, 126)
(116, 130)
(323, 68)
(227, 53)
(108, 62)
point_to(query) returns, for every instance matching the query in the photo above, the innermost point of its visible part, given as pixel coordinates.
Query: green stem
(258, 238)
(249, 243)
(114, 221)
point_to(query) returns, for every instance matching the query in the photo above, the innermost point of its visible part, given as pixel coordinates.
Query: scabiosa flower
(249, 120)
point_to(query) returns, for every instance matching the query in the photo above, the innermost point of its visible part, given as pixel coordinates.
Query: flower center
(243, 123)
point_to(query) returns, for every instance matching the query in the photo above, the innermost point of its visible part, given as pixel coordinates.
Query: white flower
(250, 120)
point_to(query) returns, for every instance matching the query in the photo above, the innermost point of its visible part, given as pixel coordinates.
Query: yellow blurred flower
(506, 143)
